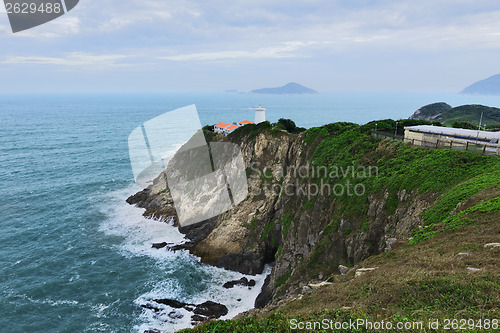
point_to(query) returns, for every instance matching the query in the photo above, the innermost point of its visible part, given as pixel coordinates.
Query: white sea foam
(48, 301)
(74, 277)
(237, 299)
(138, 234)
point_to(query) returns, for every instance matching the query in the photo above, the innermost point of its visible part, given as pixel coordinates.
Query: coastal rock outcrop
(241, 282)
(280, 221)
(201, 312)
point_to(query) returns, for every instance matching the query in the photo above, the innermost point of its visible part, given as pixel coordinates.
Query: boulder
(152, 330)
(362, 271)
(306, 289)
(211, 309)
(183, 246)
(492, 246)
(343, 269)
(241, 282)
(150, 306)
(463, 255)
(389, 242)
(202, 312)
(175, 315)
(196, 319)
(159, 245)
(171, 302)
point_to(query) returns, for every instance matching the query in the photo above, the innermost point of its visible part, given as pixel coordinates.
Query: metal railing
(384, 135)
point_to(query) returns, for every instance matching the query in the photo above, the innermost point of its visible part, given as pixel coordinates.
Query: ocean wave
(138, 233)
(183, 276)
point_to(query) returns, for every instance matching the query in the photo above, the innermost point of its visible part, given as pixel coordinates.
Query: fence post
(437, 143)
(451, 144)
(484, 150)
(467, 146)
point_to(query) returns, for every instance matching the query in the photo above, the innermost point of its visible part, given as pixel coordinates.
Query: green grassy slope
(423, 279)
(447, 115)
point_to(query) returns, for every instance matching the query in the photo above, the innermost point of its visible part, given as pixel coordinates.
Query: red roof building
(219, 128)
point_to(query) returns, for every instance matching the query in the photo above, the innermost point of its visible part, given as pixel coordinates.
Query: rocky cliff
(329, 196)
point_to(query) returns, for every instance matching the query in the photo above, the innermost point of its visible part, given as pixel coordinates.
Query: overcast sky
(214, 45)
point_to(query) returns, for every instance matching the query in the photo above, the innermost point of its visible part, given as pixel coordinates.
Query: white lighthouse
(260, 114)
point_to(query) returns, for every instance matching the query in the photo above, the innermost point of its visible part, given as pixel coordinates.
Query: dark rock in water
(150, 307)
(152, 330)
(241, 282)
(211, 309)
(239, 299)
(204, 311)
(183, 246)
(175, 315)
(265, 295)
(160, 245)
(172, 303)
(196, 319)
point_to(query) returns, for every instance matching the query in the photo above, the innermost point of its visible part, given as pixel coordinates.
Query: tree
(289, 126)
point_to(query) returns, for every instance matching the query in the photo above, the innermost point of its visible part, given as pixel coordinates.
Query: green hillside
(443, 271)
(472, 113)
(444, 113)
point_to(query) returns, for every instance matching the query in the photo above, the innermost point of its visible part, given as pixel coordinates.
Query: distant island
(291, 88)
(489, 86)
(447, 115)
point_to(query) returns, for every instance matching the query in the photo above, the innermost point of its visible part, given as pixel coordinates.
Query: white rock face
(361, 271)
(473, 269)
(492, 246)
(343, 269)
(318, 285)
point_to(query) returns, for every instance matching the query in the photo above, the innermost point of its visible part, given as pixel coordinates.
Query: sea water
(74, 257)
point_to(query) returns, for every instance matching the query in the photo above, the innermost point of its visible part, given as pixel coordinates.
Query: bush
(289, 126)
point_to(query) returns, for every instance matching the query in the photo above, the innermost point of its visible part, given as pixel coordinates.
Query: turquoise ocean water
(74, 257)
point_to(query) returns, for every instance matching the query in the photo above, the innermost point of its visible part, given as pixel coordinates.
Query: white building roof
(460, 132)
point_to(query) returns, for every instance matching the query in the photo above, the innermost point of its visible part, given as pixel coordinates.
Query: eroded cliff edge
(376, 197)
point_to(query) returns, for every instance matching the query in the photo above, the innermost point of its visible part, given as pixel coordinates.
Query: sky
(215, 45)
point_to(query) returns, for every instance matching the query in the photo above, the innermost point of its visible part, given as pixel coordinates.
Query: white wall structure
(260, 114)
(230, 129)
(437, 136)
